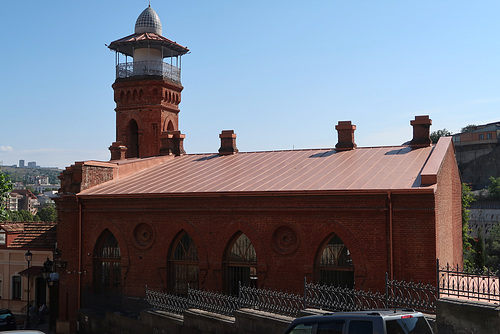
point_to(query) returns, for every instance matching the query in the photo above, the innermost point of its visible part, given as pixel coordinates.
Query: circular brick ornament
(286, 240)
(144, 235)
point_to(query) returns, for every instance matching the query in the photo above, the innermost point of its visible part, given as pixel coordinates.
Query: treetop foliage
(5, 189)
(469, 128)
(435, 135)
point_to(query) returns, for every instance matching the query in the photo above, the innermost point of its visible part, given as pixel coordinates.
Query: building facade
(16, 239)
(154, 215)
(478, 154)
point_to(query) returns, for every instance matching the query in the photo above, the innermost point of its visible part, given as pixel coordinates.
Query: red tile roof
(362, 169)
(34, 235)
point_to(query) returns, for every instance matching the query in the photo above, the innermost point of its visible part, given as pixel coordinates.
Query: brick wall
(362, 222)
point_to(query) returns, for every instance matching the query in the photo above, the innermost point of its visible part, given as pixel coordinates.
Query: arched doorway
(183, 265)
(334, 264)
(240, 264)
(132, 139)
(107, 264)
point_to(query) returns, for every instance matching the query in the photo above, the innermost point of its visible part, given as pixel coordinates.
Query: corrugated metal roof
(377, 168)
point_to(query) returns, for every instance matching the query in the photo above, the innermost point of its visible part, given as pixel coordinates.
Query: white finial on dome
(148, 21)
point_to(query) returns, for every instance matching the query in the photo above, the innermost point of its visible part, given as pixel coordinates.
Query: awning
(34, 271)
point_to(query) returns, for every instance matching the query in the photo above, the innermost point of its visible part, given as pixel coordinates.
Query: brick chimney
(117, 150)
(421, 131)
(227, 142)
(346, 136)
(172, 142)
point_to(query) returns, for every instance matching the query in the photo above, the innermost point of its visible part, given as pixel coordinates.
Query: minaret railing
(154, 68)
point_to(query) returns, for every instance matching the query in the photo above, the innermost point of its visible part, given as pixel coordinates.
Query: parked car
(7, 320)
(23, 331)
(405, 321)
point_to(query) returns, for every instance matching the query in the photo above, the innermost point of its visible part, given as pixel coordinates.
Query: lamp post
(28, 256)
(52, 278)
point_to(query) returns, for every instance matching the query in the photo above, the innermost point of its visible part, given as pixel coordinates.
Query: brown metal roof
(126, 45)
(362, 169)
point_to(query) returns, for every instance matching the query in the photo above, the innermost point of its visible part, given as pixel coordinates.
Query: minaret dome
(148, 21)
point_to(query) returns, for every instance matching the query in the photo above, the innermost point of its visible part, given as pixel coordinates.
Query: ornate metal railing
(157, 68)
(419, 296)
(213, 301)
(272, 301)
(454, 281)
(335, 298)
(167, 302)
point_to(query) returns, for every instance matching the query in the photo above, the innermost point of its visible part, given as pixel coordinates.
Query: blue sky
(279, 73)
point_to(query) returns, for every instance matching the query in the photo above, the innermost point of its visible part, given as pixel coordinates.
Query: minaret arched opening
(132, 139)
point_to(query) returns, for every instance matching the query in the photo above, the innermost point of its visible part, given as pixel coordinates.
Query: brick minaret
(147, 89)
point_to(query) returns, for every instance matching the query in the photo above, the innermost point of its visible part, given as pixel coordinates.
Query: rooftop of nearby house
(33, 235)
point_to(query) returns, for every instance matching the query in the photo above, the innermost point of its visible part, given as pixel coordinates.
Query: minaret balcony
(149, 67)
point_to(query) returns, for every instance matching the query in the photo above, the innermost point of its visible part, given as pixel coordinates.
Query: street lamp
(52, 278)
(28, 256)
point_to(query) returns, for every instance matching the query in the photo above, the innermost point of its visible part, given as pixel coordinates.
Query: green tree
(435, 135)
(467, 240)
(494, 188)
(5, 189)
(469, 128)
(22, 216)
(493, 249)
(47, 214)
(479, 256)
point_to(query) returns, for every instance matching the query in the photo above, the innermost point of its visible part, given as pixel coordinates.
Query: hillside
(21, 174)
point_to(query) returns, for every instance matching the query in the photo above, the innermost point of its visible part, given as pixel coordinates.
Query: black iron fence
(452, 281)
(397, 294)
(418, 296)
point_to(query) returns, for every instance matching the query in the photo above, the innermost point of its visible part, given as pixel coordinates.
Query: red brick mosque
(154, 215)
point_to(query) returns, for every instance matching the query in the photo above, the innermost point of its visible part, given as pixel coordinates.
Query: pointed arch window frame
(240, 264)
(107, 264)
(334, 264)
(183, 264)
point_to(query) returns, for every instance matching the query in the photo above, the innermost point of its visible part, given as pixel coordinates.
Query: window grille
(107, 264)
(240, 265)
(184, 268)
(335, 266)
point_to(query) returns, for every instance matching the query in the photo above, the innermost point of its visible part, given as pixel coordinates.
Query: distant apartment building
(32, 164)
(478, 153)
(21, 163)
(480, 141)
(26, 200)
(47, 197)
(18, 186)
(38, 180)
(12, 203)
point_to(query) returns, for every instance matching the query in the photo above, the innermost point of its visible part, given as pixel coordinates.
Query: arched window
(132, 139)
(334, 264)
(240, 264)
(183, 263)
(107, 264)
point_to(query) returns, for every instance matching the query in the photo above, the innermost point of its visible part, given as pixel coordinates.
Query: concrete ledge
(199, 321)
(255, 321)
(467, 316)
(160, 320)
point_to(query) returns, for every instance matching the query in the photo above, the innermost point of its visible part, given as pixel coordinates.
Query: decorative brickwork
(152, 105)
